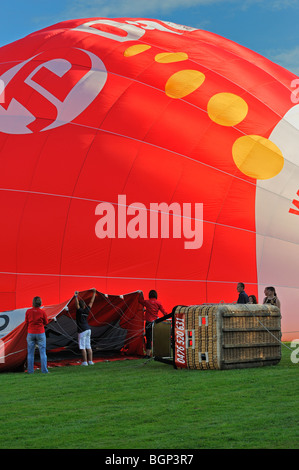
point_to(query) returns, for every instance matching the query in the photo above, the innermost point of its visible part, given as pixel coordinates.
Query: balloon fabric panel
(131, 113)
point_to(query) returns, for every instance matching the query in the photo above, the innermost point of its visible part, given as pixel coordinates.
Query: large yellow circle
(227, 109)
(257, 157)
(184, 82)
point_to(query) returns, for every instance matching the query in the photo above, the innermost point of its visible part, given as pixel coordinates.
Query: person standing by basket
(243, 297)
(271, 297)
(152, 308)
(252, 299)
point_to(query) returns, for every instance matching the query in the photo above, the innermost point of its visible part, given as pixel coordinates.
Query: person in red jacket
(36, 319)
(152, 308)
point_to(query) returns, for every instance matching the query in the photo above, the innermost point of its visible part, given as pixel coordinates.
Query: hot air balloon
(138, 154)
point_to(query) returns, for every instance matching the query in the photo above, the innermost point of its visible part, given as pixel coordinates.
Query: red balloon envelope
(140, 154)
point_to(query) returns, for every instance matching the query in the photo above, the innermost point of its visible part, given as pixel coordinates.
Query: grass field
(136, 404)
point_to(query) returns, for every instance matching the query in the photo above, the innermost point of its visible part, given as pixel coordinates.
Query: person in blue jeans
(36, 320)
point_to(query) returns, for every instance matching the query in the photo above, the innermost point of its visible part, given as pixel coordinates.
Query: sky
(269, 27)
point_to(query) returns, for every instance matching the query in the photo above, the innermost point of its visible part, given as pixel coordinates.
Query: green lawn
(136, 404)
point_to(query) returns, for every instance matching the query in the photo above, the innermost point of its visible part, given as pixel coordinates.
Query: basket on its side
(226, 336)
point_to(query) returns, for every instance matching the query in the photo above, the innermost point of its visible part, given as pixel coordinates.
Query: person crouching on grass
(36, 320)
(152, 307)
(83, 328)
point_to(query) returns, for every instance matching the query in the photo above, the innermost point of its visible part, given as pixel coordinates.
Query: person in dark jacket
(243, 297)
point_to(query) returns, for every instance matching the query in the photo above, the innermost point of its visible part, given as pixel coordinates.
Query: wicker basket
(226, 336)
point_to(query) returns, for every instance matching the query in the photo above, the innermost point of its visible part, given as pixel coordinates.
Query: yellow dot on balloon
(170, 57)
(227, 109)
(184, 82)
(257, 157)
(136, 49)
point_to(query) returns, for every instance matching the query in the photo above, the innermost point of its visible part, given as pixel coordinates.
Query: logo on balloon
(45, 91)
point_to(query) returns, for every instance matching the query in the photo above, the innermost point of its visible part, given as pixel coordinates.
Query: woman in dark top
(271, 297)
